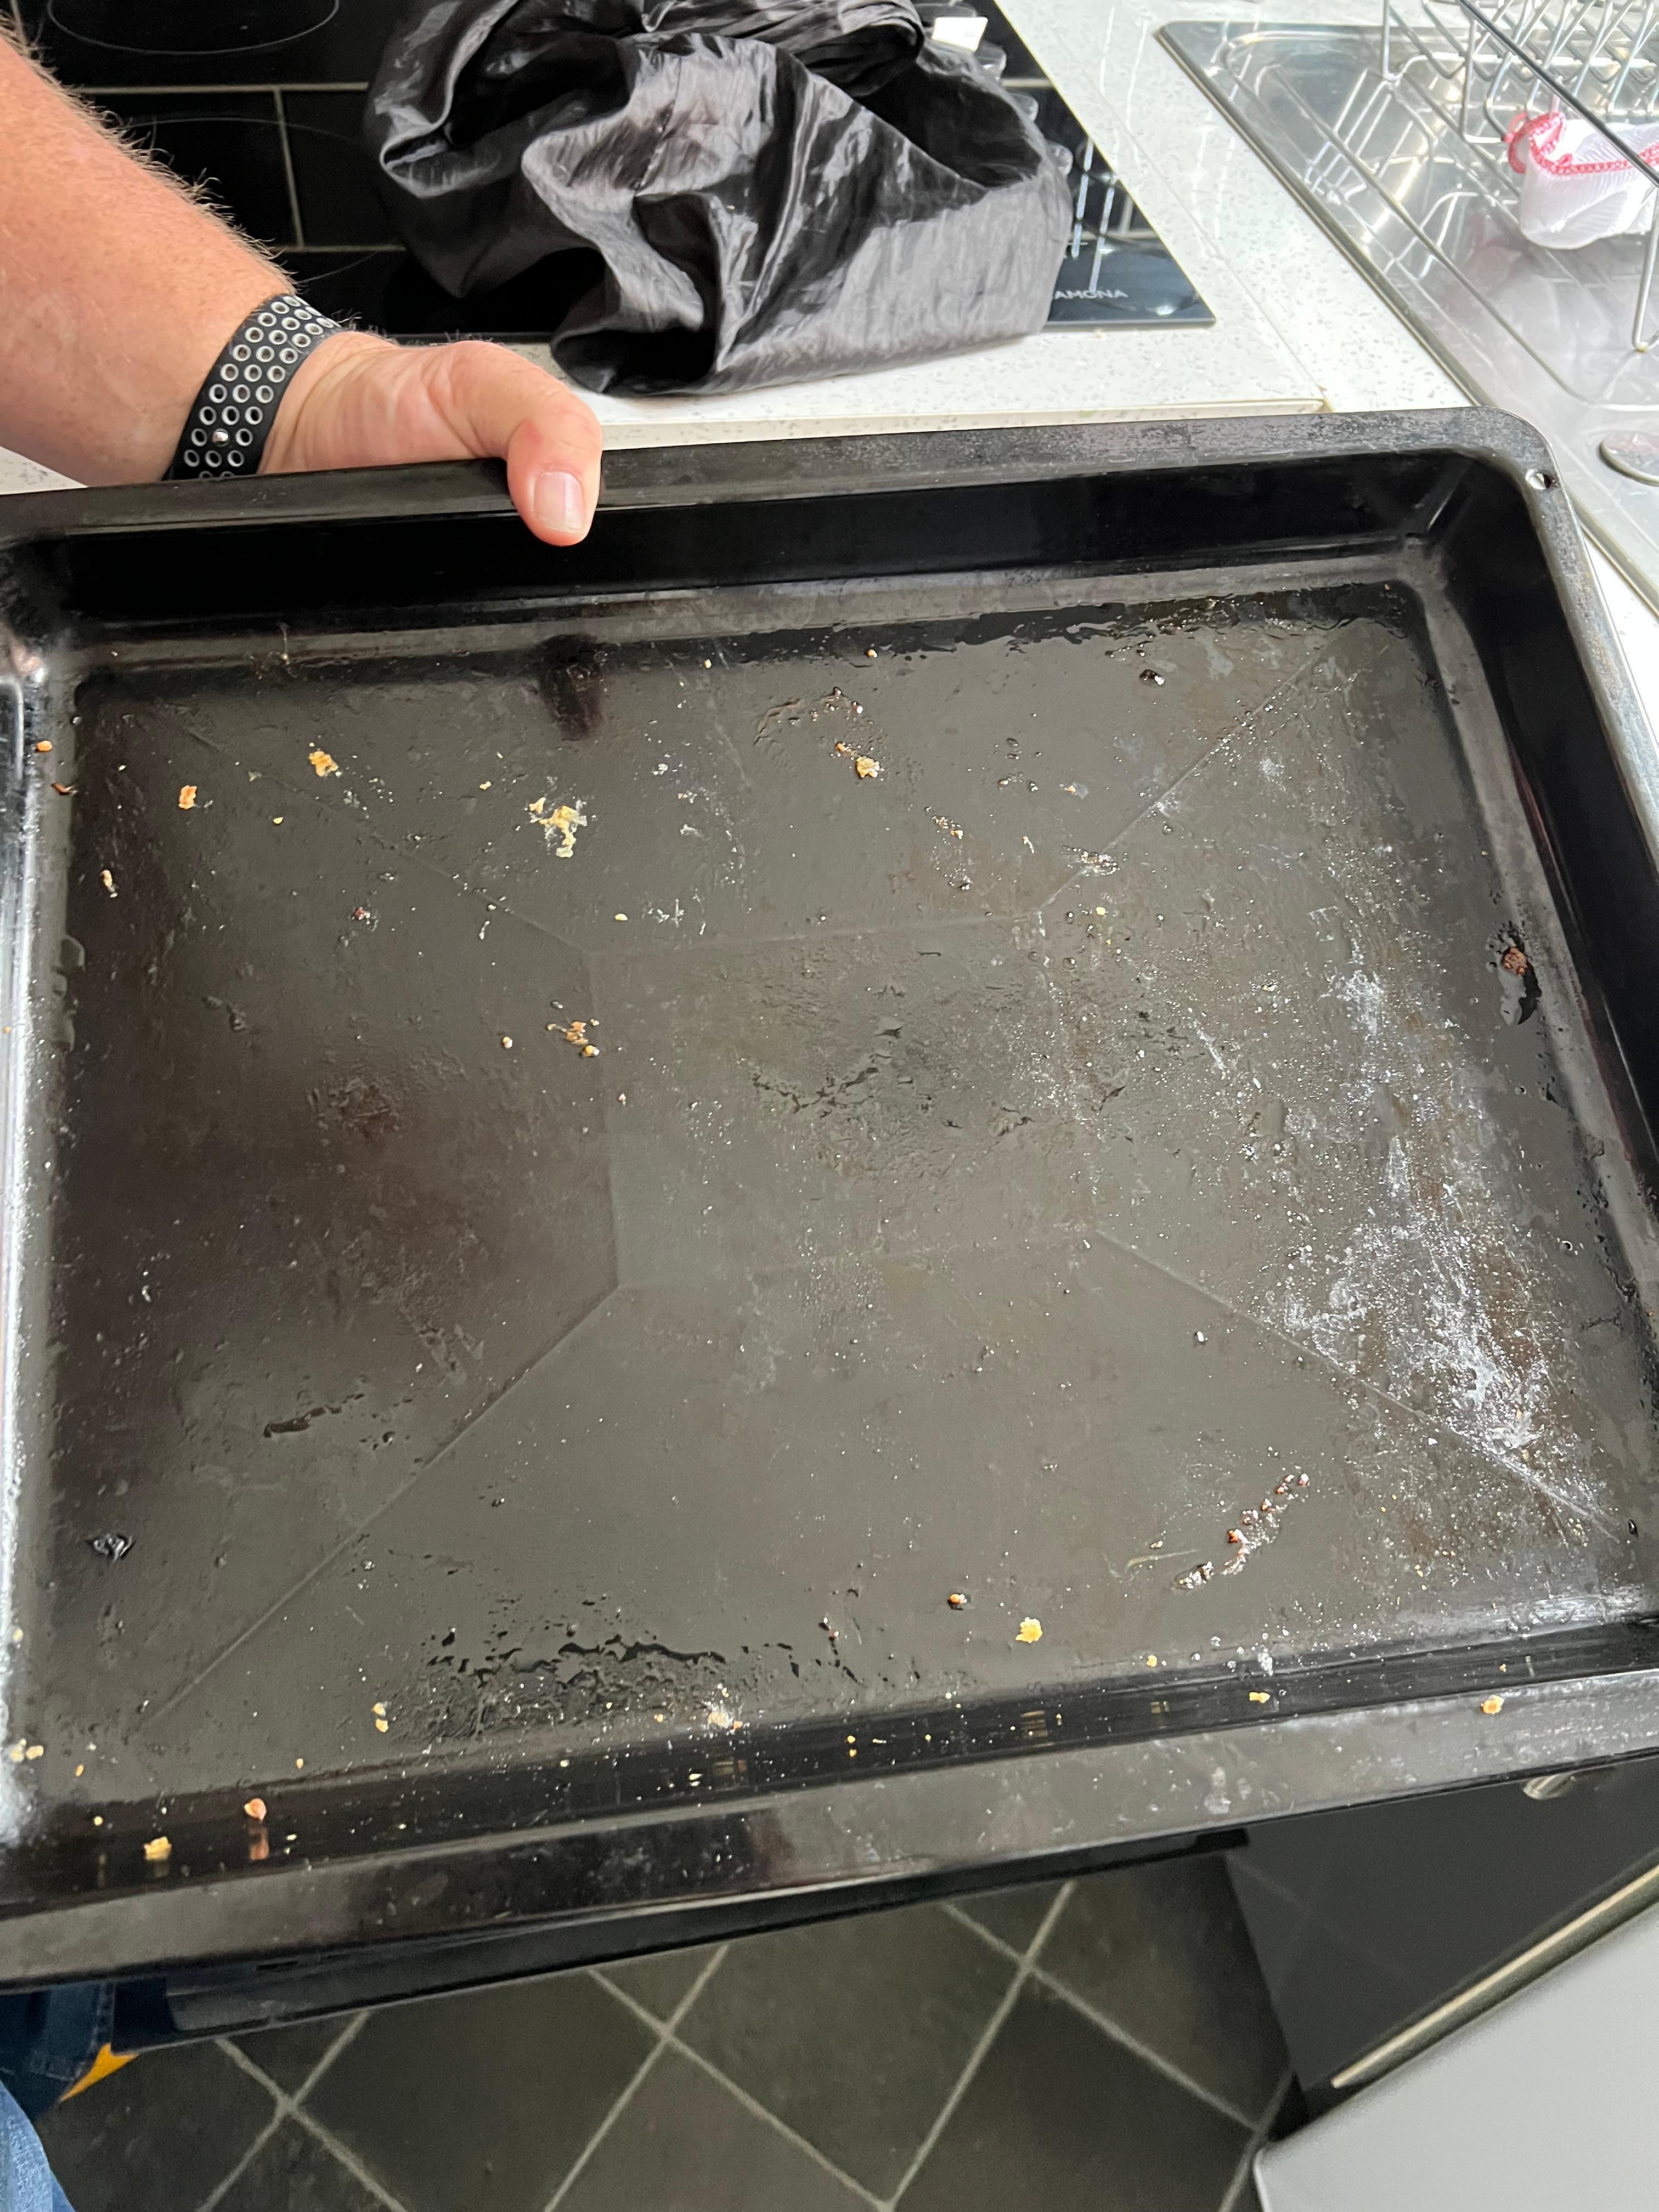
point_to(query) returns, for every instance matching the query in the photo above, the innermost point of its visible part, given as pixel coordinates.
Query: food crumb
(156, 1849)
(14, 1752)
(65, 790)
(864, 766)
(1030, 1631)
(559, 824)
(44, 746)
(1492, 1704)
(619, 917)
(576, 1033)
(378, 1708)
(79, 1771)
(484, 787)
(255, 1809)
(1151, 1658)
(186, 797)
(325, 764)
(108, 882)
(299, 1762)
(382, 1726)
(957, 1600)
(1515, 961)
(506, 1044)
(277, 819)
(35, 1751)
(1258, 1697)
(718, 1718)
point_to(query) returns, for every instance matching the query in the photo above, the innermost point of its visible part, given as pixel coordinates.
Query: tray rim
(934, 1822)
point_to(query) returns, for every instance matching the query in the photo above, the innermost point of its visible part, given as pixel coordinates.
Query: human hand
(361, 402)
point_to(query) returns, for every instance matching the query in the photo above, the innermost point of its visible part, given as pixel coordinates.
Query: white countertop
(1297, 328)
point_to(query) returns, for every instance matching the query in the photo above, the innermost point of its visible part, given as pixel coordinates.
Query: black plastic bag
(732, 192)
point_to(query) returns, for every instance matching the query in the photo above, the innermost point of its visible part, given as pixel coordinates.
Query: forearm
(116, 291)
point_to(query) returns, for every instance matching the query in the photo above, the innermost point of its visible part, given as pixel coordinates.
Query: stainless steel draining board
(1544, 334)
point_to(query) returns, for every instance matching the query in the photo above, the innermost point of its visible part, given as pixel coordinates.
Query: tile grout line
(216, 2194)
(636, 2080)
(993, 2028)
(289, 2108)
(1258, 2136)
(752, 2103)
(1106, 2025)
(1121, 2036)
(749, 2103)
(967, 1920)
(238, 2058)
(287, 167)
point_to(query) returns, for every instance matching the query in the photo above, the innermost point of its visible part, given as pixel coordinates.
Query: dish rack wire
(1483, 66)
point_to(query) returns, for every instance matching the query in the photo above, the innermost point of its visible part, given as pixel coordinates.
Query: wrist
(313, 394)
(233, 415)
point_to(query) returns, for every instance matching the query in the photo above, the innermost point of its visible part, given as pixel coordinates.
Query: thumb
(500, 403)
(361, 402)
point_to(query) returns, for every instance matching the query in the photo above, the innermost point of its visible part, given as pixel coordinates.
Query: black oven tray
(1166, 1158)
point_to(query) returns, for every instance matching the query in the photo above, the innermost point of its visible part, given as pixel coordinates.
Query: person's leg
(27, 2183)
(50, 2040)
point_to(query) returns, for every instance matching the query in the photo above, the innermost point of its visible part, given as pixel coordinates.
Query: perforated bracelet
(231, 416)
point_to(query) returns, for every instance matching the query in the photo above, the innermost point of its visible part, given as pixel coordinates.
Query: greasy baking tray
(941, 1154)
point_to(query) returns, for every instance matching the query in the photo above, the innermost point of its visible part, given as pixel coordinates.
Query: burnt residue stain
(574, 681)
(1517, 980)
(577, 1681)
(300, 1422)
(359, 1104)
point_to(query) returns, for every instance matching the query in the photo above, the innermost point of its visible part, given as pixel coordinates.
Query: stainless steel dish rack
(1392, 131)
(1598, 59)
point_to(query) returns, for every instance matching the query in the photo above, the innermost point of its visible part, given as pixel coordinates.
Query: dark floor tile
(288, 2054)
(163, 2131)
(1014, 1916)
(334, 176)
(480, 2103)
(1059, 2117)
(855, 2031)
(294, 2173)
(1163, 1951)
(109, 42)
(660, 1981)
(684, 2144)
(229, 144)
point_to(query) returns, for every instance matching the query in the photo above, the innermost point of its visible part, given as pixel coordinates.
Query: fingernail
(559, 504)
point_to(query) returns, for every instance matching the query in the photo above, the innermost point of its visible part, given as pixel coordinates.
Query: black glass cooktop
(258, 100)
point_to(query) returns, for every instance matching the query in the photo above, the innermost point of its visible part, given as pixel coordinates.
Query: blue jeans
(26, 2180)
(48, 2038)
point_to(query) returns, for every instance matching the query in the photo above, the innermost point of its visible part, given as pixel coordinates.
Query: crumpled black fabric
(758, 189)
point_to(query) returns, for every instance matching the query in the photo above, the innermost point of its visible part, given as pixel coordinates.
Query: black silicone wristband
(232, 414)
